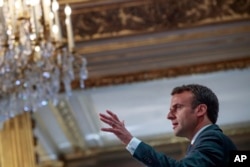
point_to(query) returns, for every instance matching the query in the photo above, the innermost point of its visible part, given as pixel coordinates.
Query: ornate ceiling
(130, 41)
(126, 39)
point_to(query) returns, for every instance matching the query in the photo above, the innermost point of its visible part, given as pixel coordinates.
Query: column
(17, 145)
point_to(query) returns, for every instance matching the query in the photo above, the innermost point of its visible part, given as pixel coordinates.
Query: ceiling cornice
(127, 41)
(109, 19)
(240, 63)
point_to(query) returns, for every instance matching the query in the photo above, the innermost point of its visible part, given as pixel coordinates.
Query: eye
(179, 106)
(176, 108)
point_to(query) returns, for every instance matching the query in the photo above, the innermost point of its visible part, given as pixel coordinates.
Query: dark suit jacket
(211, 149)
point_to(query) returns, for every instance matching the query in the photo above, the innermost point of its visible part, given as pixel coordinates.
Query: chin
(176, 132)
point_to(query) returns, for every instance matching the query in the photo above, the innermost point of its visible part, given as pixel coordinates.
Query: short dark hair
(202, 95)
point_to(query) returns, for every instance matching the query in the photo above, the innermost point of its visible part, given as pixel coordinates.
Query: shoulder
(212, 131)
(213, 135)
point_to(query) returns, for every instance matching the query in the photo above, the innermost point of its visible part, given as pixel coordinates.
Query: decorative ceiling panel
(133, 40)
(108, 19)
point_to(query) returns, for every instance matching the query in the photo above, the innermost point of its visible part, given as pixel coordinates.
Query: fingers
(117, 127)
(106, 119)
(110, 119)
(114, 116)
(112, 130)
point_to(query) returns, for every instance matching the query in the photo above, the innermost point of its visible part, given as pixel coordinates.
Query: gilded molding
(106, 19)
(94, 20)
(240, 63)
(51, 163)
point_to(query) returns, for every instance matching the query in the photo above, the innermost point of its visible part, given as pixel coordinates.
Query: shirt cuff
(132, 145)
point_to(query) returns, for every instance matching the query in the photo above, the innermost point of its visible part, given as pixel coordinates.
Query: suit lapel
(189, 148)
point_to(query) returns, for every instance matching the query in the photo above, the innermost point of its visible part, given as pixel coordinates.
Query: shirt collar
(197, 133)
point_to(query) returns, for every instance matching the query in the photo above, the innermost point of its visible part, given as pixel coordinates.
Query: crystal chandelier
(34, 58)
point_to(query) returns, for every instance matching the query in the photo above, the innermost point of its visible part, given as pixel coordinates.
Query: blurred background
(137, 51)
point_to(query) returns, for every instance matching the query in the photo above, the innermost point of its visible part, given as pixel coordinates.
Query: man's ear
(201, 109)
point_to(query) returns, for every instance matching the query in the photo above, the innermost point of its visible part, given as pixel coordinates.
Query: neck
(199, 125)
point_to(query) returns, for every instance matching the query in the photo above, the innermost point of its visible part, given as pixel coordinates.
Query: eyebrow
(176, 106)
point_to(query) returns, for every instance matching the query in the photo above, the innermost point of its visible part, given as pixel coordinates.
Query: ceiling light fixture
(35, 60)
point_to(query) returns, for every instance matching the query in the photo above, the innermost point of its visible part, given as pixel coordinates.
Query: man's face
(181, 114)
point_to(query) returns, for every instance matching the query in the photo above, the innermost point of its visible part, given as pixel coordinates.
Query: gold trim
(240, 63)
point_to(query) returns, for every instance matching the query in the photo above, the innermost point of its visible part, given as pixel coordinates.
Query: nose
(170, 115)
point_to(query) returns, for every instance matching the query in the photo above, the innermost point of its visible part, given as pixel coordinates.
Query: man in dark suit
(193, 111)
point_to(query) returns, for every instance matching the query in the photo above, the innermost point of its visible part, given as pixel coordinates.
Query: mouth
(174, 125)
